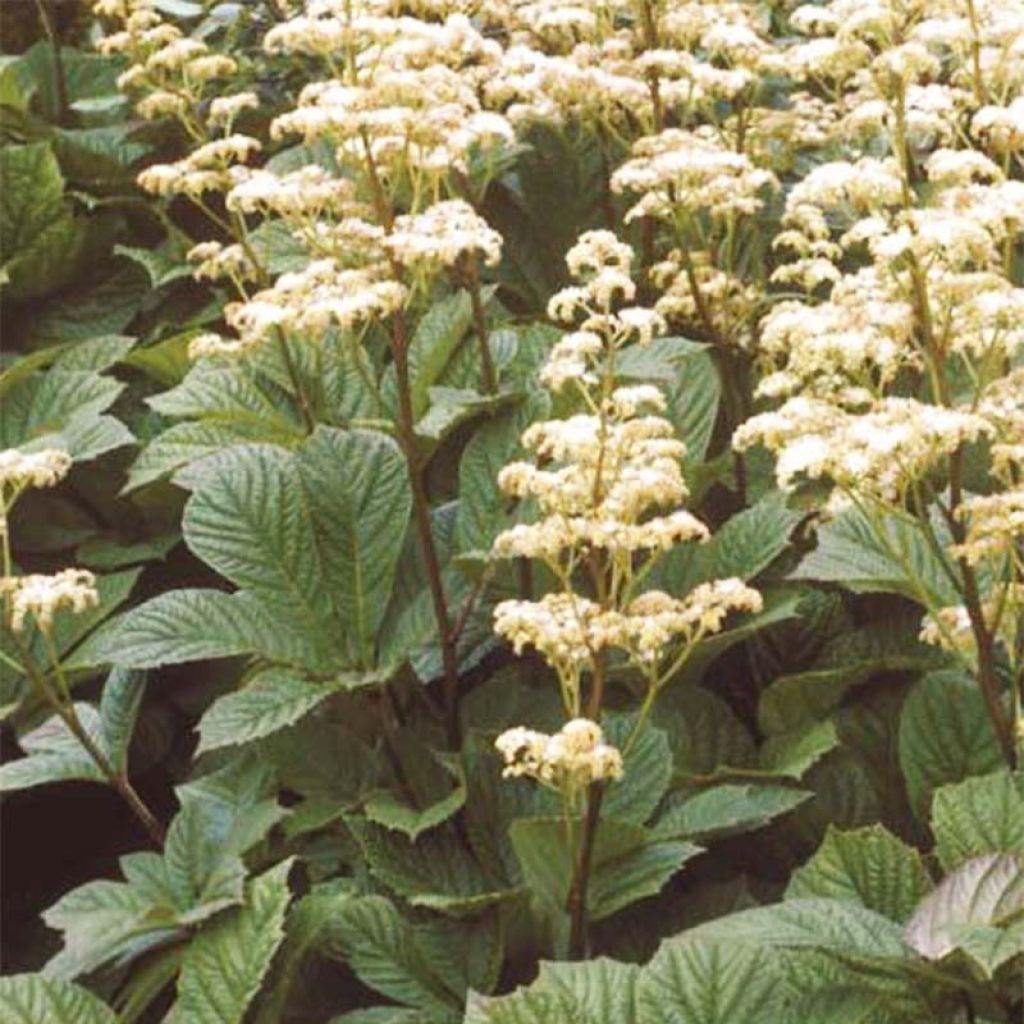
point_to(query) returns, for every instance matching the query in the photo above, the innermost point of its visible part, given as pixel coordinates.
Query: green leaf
(791, 754)
(629, 862)
(373, 938)
(827, 925)
(647, 770)
(54, 755)
(945, 736)
(597, 991)
(435, 871)
(743, 546)
(272, 700)
(983, 814)
(703, 733)
(894, 558)
(849, 659)
(360, 498)
(726, 810)
(691, 981)
(483, 509)
(385, 808)
(869, 866)
(225, 963)
(119, 708)
(982, 895)
(35, 999)
(189, 625)
(42, 239)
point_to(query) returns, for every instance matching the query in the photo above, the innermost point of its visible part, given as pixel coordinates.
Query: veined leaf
(945, 736)
(892, 556)
(983, 814)
(272, 700)
(375, 940)
(360, 499)
(969, 910)
(691, 981)
(629, 862)
(35, 999)
(225, 963)
(726, 810)
(597, 991)
(869, 866)
(54, 754)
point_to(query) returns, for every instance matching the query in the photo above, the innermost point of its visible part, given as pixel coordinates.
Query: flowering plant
(566, 463)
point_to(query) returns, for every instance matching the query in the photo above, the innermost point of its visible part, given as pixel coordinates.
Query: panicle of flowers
(607, 483)
(41, 597)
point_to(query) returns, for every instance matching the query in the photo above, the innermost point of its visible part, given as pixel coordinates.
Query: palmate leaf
(225, 963)
(971, 909)
(35, 999)
(945, 736)
(869, 866)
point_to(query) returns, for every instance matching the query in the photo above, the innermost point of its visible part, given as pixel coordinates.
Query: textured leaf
(896, 559)
(687, 373)
(54, 754)
(726, 810)
(188, 625)
(119, 707)
(436, 871)
(984, 814)
(647, 770)
(827, 925)
(629, 862)
(42, 239)
(869, 866)
(359, 493)
(791, 754)
(377, 943)
(945, 736)
(35, 999)
(272, 700)
(846, 660)
(225, 963)
(983, 893)
(690, 981)
(598, 991)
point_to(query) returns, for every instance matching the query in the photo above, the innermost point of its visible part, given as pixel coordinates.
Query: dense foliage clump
(521, 504)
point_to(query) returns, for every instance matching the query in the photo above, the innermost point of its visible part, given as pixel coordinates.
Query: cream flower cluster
(607, 483)
(441, 236)
(878, 452)
(569, 761)
(43, 596)
(20, 470)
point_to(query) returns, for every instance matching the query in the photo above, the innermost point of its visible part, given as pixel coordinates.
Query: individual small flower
(43, 596)
(45, 468)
